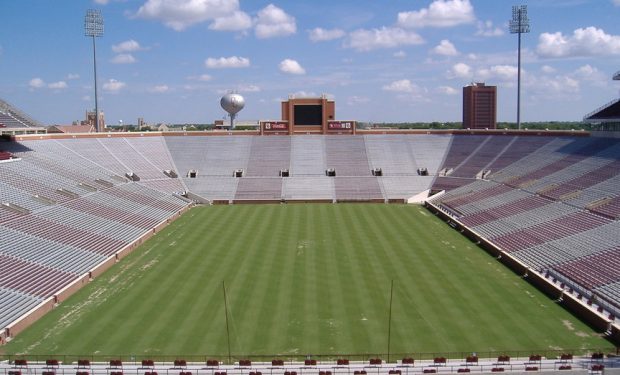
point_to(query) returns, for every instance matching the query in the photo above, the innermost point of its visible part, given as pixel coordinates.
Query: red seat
(439, 360)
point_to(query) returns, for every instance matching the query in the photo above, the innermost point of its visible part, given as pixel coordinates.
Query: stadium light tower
(519, 24)
(93, 27)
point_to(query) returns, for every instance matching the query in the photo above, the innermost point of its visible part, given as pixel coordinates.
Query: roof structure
(608, 113)
(71, 129)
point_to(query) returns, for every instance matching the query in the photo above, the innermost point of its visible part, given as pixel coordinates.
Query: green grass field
(311, 278)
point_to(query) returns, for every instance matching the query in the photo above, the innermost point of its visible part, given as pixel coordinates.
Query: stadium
(244, 253)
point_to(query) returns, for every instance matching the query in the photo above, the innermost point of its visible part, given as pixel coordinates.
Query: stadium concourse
(546, 203)
(566, 363)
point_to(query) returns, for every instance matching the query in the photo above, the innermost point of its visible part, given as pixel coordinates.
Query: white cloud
(557, 86)
(86, 98)
(227, 62)
(586, 71)
(181, 14)
(385, 37)
(441, 13)
(237, 21)
(487, 29)
(547, 69)
(445, 48)
(200, 78)
(460, 70)
(126, 46)
(102, 2)
(73, 76)
(113, 85)
(241, 88)
(291, 67)
(320, 35)
(590, 74)
(403, 85)
(499, 72)
(274, 22)
(159, 89)
(447, 90)
(57, 85)
(36, 83)
(302, 94)
(616, 3)
(590, 41)
(400, 54)
(249, 88)
(123, 58)
(353, 100)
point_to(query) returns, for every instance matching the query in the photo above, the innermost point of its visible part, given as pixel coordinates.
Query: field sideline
(301, 279)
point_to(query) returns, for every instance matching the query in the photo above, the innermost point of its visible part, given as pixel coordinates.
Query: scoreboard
(341, 127)
(274, 127)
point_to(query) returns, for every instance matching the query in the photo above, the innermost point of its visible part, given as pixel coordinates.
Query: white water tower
(232, 103)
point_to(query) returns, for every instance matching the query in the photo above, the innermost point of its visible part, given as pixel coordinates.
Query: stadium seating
(66, 205)
(552, 207)
(62, 213)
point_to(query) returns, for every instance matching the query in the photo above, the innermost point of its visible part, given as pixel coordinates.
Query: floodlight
(519, 24)
(93, 27)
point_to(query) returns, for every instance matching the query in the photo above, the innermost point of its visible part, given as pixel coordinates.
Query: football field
(305, 279)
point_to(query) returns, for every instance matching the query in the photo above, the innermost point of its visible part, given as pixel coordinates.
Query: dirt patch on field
(568, 324)
(72, 312)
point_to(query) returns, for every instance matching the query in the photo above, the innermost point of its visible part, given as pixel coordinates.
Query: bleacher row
(554, 207)
(307, 158)
(66, 208)
(10, 120)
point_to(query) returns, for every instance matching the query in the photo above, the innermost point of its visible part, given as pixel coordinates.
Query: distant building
(479, 106)
(163, 128)
(90, 120)
(72, 129)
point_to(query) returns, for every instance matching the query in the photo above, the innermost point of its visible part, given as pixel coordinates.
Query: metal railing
(158, 359)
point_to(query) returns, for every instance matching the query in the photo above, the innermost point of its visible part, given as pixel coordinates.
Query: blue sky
(382, 61)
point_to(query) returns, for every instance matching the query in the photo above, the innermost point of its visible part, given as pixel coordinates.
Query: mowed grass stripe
(305, 279)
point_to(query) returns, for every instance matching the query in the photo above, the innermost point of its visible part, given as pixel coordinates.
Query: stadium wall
(48, 305)
(606, 134)
(30, 317)
(569, 302)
